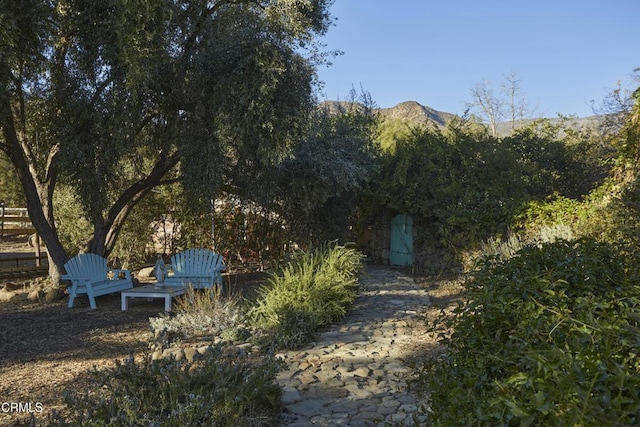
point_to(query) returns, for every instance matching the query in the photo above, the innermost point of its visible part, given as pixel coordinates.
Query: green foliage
(73, 228)
(468, 186)
(217, 389)
(117, 98)
(463, 183)
(555, 209)
(547, 337)
(319, 186)
(389, 131)
(610, 212)
(135, 236)
(314, 289)
(629, 140)
(10, 190)
(554, 158)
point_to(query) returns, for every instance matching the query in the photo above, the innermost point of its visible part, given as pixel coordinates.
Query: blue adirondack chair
(89, 274)
(198, 268)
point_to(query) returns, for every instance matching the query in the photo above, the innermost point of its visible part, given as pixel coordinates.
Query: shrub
(547, 337)
(314, 289)
(218, 389)
(200, 313)
(503, 250)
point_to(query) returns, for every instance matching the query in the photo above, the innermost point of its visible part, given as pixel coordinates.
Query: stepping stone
(290, 395)
(308, 408)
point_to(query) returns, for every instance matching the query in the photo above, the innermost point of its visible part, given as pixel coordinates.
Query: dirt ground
(47, 349)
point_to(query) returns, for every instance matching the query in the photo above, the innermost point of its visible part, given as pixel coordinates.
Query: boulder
(146, 272)
(35, 296)
(53, 295)
(5, 296)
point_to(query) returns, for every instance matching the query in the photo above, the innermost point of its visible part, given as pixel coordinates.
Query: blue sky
(564, 52)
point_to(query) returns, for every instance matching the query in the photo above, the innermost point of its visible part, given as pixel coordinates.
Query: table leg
(167, 303)
(124, 302)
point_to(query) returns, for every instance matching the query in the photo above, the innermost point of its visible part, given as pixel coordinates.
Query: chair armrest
(73, 278)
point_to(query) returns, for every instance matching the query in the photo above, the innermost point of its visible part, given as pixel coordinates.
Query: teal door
(401, 250)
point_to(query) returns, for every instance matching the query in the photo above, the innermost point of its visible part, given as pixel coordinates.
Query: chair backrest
(193, 261)
(92, 266)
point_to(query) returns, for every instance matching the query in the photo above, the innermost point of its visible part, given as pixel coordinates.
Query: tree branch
(132, 195)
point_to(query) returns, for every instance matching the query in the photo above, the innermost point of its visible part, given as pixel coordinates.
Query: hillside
(416, 113)
(410, 111)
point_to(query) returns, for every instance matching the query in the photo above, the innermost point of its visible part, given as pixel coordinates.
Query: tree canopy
(117, 97)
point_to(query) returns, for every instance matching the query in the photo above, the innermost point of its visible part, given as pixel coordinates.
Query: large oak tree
(203, 91)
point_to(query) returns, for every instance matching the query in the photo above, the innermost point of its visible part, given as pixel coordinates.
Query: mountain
(410, 111)
(418, 114)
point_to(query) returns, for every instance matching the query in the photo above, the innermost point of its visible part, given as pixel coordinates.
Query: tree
(616, 106)
(490, 107)
(493, 108)
(321, 185)
(518, 106)
(117, 97)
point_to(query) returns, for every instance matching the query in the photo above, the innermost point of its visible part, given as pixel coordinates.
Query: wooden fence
(16, 222)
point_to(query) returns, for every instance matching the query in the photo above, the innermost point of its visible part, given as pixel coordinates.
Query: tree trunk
(39, 207)
(105, 233)
(38, 190)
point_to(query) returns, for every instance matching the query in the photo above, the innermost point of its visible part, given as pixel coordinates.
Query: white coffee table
(150, 292)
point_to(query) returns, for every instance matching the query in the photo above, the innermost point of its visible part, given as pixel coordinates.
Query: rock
(22, 296)
(308, 408)
(190, 353)
(290, 395)
(408, 408)
(35, 296)
(5, 296)
(307, 378)
(390, 403)
(53, 295)
(176, 353)
(204, 349)
(353, 375)
(146, 272)
(320, 391)
(362, 371)
(325, 375)
(247, 347)
(353, 338)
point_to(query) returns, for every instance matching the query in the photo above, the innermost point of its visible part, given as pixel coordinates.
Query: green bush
(314, 289)
(218, 389)
(547, 337)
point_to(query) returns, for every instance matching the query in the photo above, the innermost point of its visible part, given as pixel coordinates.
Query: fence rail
(20, 261)
(15, 222)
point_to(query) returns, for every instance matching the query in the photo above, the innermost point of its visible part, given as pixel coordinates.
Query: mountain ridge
(418, 114)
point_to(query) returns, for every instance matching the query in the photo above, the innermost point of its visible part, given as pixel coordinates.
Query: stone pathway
(353, 374)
